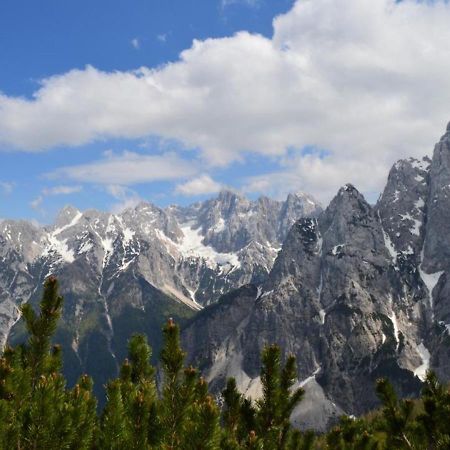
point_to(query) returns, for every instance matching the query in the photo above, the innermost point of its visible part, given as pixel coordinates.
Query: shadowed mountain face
(357, 293)
(126, 273)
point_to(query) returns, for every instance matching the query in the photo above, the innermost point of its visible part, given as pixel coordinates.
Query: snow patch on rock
(59, 246)
(394, 321)
(430, 280)
(192, 245)
(424, 353)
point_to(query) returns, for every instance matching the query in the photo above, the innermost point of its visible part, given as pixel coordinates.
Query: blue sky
(104, 103)
(41, 39)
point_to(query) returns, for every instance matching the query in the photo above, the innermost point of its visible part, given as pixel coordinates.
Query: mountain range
(127, 273)
(355, 291)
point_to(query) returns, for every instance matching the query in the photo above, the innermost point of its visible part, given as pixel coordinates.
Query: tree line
(38, 411)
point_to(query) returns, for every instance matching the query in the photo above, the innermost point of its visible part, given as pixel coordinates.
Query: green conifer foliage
(353, 434)
(83, 414)
(238, 416)
(115, 432)
(434, 421)
(278, 401)
(204, 420)
(190, 418)
(266, 423)
(36, 409)
(129, 419)
(396, 418)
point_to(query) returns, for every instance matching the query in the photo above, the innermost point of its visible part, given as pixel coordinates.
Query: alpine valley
(355, 291)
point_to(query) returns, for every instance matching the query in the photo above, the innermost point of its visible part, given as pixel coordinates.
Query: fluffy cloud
(201, 185)
(313, 174)
(365, 79)
(126, 197)
(55, 190)
(128, 168)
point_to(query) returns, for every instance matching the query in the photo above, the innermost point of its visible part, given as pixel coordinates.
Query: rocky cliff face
(126, 273)
(357, 293)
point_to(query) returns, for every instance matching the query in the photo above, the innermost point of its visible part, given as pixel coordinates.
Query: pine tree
(265, 424)
(129, 419)
(278, 402)
(204, 420)
(38, 411)
(397, 416)
(435, 419)
(238, 417)
(189, 417)
(115, 432)
(41, 329)
(83, 414)
(141, 403)
(353, 434)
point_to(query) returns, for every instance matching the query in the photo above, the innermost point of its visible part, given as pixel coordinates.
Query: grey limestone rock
(357, 292)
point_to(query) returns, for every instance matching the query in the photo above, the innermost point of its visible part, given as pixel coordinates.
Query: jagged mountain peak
(436, 249)
(349, 189)
(22, 237)
(356, 291)
(347, 203)
(302, 195)
(227, 195)
(147, 217)
(145, 206)
(401, 210)
(448, 128)
(66, 215)
(228, 201)
(419, 165)
(206, 240)
(92, 214)
(446, 135)
(307, 201)
(406, 177)
(265, 200)
(349, 196)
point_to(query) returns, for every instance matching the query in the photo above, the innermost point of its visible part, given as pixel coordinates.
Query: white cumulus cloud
(128, 168)
(55, 190)
(201, 185)
(367, 80)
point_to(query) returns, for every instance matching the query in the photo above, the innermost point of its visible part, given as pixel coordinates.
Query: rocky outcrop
(357, 293)
(128, 272)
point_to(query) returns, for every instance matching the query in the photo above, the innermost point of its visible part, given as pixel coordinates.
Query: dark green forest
(39, 411)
